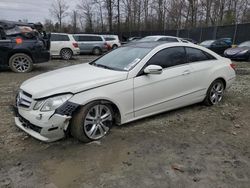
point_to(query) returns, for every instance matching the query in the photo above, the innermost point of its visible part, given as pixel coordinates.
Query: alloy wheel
(21, 63)
(216, 93)
(97, 121)
(66, 54)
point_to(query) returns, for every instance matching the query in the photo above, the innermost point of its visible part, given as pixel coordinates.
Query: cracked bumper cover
(50, 127)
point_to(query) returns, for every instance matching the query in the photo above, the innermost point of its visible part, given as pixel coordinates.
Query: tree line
(101, 16)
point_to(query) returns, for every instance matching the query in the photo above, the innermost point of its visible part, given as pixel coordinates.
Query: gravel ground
(196, 146)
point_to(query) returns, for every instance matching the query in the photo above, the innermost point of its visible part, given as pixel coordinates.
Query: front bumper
(48, 129)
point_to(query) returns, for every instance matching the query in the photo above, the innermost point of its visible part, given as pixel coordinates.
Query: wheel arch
(115, 108)
(13, 52)
(66, 48)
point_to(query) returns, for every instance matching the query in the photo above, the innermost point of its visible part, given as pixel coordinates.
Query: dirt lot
(196, 146)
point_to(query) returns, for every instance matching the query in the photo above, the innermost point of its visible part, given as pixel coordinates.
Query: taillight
(19, 41)
(107, 46)
(233, 66)
(75, 44)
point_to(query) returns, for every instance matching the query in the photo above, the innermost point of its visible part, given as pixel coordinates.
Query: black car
(22, 45)
(242, 52)
(218, 46)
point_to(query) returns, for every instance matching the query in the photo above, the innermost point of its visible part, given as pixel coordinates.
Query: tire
(66, 54)
(114, 47)
(215, 93)
(21, 63)
(97, 51)
(87, 124)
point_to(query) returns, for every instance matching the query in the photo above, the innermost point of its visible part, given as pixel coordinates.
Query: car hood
(233, 51)
(71, 79)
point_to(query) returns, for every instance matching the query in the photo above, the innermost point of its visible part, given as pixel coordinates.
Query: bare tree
(59, 11)
(86, 14)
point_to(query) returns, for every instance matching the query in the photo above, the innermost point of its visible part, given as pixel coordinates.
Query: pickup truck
(22, 45)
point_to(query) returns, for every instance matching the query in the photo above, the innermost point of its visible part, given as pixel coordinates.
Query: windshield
(245, 44)
(123, 59)
(148, 39)
(207, 42)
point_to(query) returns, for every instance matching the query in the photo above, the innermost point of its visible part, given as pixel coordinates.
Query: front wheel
(215, 93)
(20, 63)
(92, 122)
(97, 51)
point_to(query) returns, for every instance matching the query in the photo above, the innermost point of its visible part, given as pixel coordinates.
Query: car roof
(160, 36)
(88, 35)
(162, 45)
(151, 45)
(61, 33)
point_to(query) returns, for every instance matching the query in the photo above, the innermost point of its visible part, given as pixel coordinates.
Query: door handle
(186, 72)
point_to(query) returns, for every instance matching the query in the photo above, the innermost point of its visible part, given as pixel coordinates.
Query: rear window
(87, 38)
(55, 37)
(168, 39)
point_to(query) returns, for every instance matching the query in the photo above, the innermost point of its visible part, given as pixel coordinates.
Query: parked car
(132, 82)
(23, 45)
(242, 52)
(112, 40)
(227, 40)
(218, 46)
(164, 38)
(89, 43)
(191, 40)
(130, 39)
(63, 45)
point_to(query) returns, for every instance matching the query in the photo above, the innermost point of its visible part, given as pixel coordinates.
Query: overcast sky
(33, 10)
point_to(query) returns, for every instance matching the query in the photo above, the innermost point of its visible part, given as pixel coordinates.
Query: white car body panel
(76, 78)
(135, 96)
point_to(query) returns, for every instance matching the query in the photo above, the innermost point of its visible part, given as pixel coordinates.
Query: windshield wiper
(103, 66)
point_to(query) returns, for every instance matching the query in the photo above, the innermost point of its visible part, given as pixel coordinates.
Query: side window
(194, 55)
(169, 57)
(83, 38)
(63, 37)
(55, 37)
(95, 38)
(109, 38)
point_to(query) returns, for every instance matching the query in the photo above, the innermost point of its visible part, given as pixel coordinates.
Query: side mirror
(153, 69)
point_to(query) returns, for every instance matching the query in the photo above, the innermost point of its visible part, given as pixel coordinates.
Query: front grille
(27, 124)
(24, 99)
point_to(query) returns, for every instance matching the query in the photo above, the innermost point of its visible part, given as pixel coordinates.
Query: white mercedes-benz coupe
(129, 83)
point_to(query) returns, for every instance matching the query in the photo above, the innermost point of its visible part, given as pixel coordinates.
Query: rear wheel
(97, 51)
(92, 122)
(114, 46)
(66, 54)
(21, 63)
(215, 93)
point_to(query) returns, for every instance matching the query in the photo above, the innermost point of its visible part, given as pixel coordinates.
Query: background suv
(89, 43)
(22, 45)
(112, 40)
(63, 45)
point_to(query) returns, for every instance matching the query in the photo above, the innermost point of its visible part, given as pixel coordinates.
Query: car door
(156, 93)
(202, 65)
(55, 44)
(84, 44)
(5, 48)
